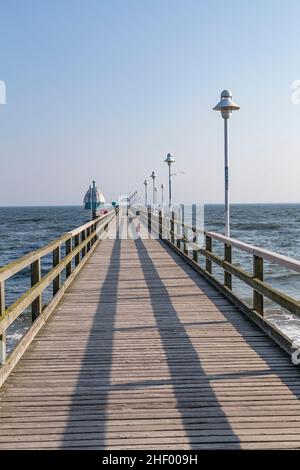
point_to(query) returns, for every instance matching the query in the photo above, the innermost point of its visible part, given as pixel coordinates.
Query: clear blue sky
(104, 89)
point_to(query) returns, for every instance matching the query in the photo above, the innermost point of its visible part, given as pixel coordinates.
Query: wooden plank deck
(142, 353)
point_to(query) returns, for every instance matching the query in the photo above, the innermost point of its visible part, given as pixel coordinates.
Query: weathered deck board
(143, 353)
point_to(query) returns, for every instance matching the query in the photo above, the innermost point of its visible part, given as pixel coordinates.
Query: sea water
(275, 227)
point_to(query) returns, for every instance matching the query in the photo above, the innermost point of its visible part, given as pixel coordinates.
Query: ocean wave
(256, 226)
(30, 220)
(282, 277)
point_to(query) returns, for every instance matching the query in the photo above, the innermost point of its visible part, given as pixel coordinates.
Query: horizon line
(204, 204)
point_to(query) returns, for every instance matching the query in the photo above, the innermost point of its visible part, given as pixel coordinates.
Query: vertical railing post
(194, 225)
(83, 251)
(183, 230)
(185, 243)
(68, 251)
(160, 224)
(88, 232)
(77, 257)
(172, 227)
(91, 233)
(36, 306)
(94, 232)
(55, 261)
(106, 227)
(228, 258)
(195, 252)
(149, 219)
(118, 223)
(258, 273)
(178, 229)
(2, 335)
(208, 247)
(99, 230)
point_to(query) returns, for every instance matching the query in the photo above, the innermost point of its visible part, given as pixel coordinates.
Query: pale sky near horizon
(103, 89)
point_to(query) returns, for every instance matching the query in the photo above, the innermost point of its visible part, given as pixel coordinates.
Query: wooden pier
(142, 348)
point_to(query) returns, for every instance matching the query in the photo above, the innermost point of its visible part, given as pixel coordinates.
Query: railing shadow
(181, 343)
(95, 369)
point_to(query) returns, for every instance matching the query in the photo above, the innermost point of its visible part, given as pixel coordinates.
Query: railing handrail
(17, 265)
(192, 250)
(285, 261)
(282, 260)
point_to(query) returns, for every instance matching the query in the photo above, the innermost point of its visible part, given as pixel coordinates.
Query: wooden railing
(79, 244)
(184, 239)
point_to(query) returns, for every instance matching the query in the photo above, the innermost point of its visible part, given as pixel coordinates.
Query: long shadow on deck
(88, 410)
(181, 343)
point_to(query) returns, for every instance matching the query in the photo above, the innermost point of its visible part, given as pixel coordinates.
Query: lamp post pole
(170, 186)
(169, 160)
(146, 195)
(153, 176)
(162, 196)
(226, 106)
(226, 175)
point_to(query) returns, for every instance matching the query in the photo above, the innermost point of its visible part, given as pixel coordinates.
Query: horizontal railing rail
(78, 244)
(184, 239)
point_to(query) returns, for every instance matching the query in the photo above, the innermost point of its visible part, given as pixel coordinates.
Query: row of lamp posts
(169, 160)
(226, 105)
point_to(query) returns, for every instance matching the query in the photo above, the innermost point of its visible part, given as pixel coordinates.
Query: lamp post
(153, 176)
(162, 195)
(146, 195)
(169, 160)
(226, 106)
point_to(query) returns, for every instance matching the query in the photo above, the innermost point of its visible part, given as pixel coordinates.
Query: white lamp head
(145, 182)
(226, 105)
(153, 175)
(170, 159)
